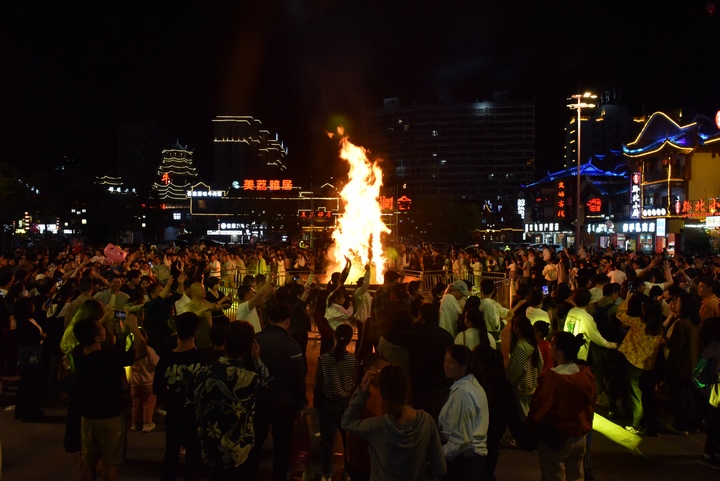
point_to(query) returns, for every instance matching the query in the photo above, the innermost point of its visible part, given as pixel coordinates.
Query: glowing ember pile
(358, 230)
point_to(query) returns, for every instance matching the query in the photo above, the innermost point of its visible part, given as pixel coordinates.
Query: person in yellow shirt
(641, 346)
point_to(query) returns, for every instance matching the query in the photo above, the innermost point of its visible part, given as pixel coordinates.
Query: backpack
(706, 372)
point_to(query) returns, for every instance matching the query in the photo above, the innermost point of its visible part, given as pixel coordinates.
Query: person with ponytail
(525, 364)
(562, 410)
(334, 383)
(464, 419)
(404, 442)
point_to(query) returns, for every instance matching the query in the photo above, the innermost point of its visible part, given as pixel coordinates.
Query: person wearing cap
(450, 307)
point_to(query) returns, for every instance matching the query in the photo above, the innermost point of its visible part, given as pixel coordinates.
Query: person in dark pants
(30, 337)
(334, 383)
(281, 404)
(173, 384)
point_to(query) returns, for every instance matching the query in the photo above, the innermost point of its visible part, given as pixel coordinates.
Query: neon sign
(560, 203)
(635, 202)
(595, 205)
(263, 184)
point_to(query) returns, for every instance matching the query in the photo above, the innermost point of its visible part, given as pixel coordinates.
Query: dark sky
(70, 76)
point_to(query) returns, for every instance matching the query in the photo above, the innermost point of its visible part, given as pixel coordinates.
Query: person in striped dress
(334, 383)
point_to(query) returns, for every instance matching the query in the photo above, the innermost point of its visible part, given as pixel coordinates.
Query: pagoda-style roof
(588, 169)
(662, 132)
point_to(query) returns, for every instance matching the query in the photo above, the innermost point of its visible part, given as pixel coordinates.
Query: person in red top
(542, 331)
(562, 410)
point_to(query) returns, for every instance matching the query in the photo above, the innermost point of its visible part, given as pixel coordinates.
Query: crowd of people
(436, 383)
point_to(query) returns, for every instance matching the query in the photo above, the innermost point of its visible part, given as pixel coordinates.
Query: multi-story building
(675, 179)
(603, 129)
(477, 151)
(549, 206)
(244, 150)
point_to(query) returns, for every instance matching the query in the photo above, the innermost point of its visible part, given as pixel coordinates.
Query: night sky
(69, 76)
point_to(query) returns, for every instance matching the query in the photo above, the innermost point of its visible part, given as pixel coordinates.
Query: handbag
(29, 356)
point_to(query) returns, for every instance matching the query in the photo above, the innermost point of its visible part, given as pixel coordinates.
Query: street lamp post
(581, 103)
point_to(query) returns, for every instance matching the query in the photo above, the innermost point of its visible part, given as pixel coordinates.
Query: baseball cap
(462, 287)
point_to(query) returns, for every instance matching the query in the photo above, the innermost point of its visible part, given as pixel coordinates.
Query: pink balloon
(114, 254)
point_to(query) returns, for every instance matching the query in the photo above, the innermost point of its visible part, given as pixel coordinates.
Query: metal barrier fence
(428, 280)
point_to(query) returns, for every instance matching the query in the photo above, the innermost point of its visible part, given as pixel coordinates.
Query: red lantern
(711, 8)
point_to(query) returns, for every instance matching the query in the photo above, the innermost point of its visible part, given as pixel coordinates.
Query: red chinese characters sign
(560, 202)
(308, 215)
(635, 200)
(595, 205)
(698, 208)
(264, 184)
(386, 203)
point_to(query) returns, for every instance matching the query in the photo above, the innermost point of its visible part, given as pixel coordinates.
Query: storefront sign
(521, 208)
(661, 227)
(309, 214)
(262, 184)
(404, 203)
(654, 212)
(205, 193)
(697, 208)
(712, 221)
(637, 227)
(547, 227)
(604, 228)
(594, 206)
(560, 202)
(635, 201)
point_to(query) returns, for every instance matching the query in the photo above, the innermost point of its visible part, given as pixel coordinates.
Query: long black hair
(524, 325)
(343, 336)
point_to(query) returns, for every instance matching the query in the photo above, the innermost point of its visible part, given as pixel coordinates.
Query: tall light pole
(581, 103)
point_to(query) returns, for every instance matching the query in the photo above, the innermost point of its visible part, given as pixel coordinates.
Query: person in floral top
(225, 404)
(641, 346)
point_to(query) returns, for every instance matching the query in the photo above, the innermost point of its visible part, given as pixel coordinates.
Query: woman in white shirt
(463, 420)
(335, 313)
(475, 323)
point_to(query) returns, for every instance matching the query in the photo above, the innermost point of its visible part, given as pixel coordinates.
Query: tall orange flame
(358, 231)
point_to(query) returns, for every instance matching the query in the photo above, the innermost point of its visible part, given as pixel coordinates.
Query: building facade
(478, 151)
(242, 149)
(603, 129)
(675, 179)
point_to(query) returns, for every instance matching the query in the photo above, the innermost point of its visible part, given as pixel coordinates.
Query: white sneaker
(147, 427)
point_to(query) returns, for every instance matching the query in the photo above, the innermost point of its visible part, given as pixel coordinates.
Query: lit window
(434, 133)
(177, 216)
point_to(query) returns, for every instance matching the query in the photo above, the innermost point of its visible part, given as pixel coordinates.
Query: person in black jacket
(282, 402)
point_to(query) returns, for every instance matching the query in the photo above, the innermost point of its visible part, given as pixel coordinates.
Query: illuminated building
(550, 204)
(242, 149)
(477, 151)
(604, 128)
(277, 211)
(676, 175)
(175, 176)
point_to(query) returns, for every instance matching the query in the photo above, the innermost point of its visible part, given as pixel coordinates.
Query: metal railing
(428, 280)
